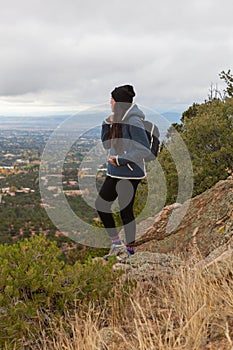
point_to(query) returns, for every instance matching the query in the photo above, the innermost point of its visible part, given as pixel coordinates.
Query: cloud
(70, 53)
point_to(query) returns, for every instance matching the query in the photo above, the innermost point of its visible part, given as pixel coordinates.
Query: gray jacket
(130, 163)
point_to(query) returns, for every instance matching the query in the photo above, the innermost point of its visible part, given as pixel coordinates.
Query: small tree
(228, 78)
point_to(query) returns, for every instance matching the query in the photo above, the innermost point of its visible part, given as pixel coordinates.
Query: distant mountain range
(82, 119)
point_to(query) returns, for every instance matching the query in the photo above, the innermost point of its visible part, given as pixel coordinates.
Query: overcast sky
(63, 55)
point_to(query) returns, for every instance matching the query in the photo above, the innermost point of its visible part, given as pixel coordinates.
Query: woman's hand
(112, 160)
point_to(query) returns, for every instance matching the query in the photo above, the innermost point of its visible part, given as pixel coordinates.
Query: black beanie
(123, 93)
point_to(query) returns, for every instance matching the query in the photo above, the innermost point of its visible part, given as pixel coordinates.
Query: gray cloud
(65, 53)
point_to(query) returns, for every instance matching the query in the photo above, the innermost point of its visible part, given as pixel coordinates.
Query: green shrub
(35, 285)
(207, 130)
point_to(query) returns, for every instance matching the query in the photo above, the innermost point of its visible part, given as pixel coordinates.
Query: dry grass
(190, 309)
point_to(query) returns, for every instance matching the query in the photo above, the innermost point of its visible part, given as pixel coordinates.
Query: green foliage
(207, 130)
(228, 78)
(141, 197)
(23, 179)
(191, 112)
(170, 173)
(83, 254)
(35, 284)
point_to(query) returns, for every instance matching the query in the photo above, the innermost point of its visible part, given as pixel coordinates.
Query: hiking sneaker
(115, 249)
(129, 252)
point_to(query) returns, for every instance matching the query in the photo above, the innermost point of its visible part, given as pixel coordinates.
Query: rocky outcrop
(205, 235)
(207, 225)
(147, 265)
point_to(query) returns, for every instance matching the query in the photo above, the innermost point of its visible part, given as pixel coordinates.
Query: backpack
(152, 133)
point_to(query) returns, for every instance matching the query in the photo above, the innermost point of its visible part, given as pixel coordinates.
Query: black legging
(125, 190)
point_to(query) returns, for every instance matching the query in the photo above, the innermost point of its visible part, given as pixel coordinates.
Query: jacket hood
(133, 111)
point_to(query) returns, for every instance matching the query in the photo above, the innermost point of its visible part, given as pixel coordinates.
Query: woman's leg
(103, 203)
(126, 196)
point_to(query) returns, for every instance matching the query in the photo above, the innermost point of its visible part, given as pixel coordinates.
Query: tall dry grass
(192, 308)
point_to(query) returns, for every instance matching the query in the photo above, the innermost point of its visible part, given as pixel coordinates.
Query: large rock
(208, 224)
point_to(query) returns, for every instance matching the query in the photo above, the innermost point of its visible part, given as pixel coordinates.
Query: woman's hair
(120, 109)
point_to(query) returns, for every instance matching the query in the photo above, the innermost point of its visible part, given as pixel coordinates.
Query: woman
(123, 133)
